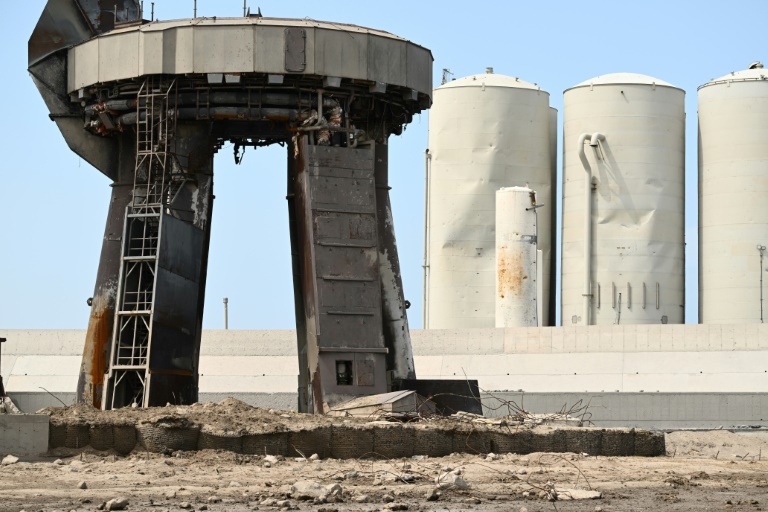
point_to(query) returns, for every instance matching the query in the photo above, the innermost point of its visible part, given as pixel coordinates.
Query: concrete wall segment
(23, 434)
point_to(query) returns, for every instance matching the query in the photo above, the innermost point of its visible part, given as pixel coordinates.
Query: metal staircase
(157, 179)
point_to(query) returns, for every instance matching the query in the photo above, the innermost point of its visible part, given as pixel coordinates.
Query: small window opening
(344, 373)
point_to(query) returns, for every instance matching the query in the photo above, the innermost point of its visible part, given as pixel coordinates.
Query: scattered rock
(314, 456)
(116, 504)
(522, 472)
(577, 494)
(235, 484)
(407, 477)
(185, 505)
(451, 480)
(352, 474)
(214, 499)
(396, 506)
(203, 507)
(170, 495)
(387, 498)
(360, 498)
(9, 459)
(271, 459)
(82, 485)
(311, 490)
(283, 504)
(58, 462)
(491, 457)
(433, 495)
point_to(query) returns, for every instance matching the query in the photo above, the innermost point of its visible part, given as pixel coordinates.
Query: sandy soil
(715, 470)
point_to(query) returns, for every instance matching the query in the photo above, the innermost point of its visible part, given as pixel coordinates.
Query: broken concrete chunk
(451, 481)
(577, 494)
(82, 485)
(310, 490)
(116, 504)
(9, 459)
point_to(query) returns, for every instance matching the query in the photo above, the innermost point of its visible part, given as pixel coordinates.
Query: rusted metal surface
(94, 364)
(336, 231)
(65, 23)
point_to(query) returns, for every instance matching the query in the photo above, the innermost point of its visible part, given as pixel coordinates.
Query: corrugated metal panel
(386, 60)
(151, 53)
(178, 51)
(86, 64)
(637, 221)
(481, 138)
(733, 186)
(419, 68)
(341, 54)
(118, 57)
(268, 42)
(219, 50)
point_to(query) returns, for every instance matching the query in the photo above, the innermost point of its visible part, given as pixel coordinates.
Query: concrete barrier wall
(23, 434)
(703, 365)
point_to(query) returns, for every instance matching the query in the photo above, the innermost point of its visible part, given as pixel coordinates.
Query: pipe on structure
(425, 295)
(594, 142)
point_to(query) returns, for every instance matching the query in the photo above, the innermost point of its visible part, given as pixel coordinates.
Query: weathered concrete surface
(234, 426)
(668, 376)
(23, 434)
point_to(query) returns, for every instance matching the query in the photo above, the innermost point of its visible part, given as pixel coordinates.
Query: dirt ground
(713, 470)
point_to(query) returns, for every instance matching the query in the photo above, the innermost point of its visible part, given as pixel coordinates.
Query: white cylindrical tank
(623, 253)
(486, 132)
(733, 197)
(517, 284)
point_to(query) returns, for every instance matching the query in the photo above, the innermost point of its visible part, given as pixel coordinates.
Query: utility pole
(226, 313)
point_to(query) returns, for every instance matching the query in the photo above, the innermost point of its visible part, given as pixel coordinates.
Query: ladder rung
(143, 312)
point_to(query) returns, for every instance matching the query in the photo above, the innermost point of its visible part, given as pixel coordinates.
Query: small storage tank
(733, 197)
(518, 283)
(486, 132)
(623, 257)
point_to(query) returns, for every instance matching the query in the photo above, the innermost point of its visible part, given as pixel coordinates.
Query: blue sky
(53, 206)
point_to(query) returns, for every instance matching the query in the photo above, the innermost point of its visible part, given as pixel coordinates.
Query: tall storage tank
(486, 132)
(733, 197)
(623, 257)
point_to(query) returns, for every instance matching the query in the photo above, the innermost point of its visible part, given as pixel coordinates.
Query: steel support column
(94, 364)
(341, 349)
(397, 337)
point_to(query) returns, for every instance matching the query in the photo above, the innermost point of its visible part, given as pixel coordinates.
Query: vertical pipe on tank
(425, 294)
(594, 141)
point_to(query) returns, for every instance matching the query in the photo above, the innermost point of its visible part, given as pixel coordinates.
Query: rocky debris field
(715, 470)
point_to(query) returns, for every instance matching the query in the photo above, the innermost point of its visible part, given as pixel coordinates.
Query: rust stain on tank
(511, 272)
